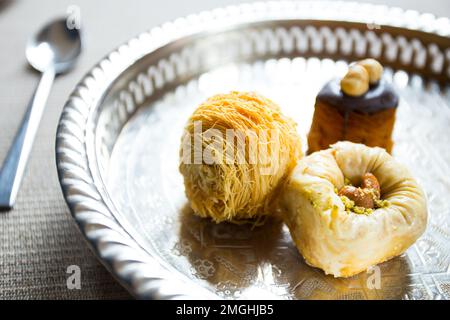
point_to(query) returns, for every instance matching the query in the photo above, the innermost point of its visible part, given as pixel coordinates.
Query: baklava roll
(351, 207)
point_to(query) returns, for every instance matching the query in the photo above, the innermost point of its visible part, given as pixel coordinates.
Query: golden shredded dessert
(237, 178)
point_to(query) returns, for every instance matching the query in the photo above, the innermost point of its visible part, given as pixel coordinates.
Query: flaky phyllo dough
(341, 242)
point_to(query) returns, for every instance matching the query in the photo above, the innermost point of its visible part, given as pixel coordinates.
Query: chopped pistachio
(359, 210)
(349, 204)
(382, 203)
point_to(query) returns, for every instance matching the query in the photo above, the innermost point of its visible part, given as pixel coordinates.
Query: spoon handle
(14, 165)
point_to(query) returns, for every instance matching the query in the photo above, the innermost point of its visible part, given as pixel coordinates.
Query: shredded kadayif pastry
(237, 178)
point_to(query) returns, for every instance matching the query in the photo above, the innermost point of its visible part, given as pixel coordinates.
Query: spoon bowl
(55, 45)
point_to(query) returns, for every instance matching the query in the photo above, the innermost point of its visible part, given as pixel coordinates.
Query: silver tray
(119, 133)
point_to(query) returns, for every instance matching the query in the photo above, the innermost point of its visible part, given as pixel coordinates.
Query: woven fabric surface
(39, 239)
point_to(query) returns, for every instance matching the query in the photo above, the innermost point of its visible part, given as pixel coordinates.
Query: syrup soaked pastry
(351, 207)
(360, 108)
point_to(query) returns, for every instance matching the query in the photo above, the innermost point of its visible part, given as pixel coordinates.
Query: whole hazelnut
(369, 181)
(356, 81)
(374, 68)
(359, 196)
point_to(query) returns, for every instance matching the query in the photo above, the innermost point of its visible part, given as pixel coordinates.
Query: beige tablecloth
(38, 239)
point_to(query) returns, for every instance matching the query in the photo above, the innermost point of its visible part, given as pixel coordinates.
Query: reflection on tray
(263, 263)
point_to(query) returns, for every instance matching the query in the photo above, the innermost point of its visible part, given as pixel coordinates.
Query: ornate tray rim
(138, 271)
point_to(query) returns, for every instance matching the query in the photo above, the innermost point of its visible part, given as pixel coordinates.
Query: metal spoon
(52, 51)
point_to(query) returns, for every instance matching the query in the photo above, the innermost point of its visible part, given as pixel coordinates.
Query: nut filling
(360, 75)
(363, 199)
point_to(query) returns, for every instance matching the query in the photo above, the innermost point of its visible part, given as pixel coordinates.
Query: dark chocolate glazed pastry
(380, 96)
(359, 108)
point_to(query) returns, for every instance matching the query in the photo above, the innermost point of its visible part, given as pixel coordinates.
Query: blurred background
(109, 23)
(38, 239)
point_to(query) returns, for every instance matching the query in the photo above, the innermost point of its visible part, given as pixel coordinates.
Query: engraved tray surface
(118, 140)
